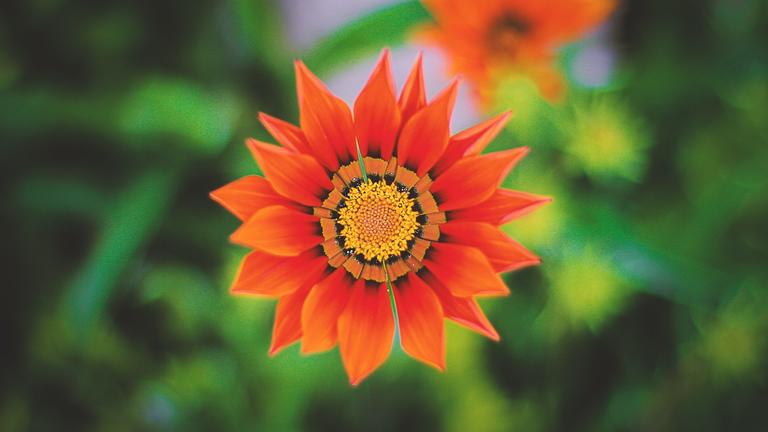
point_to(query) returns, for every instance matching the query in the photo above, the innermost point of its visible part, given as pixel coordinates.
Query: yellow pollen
(378, 220)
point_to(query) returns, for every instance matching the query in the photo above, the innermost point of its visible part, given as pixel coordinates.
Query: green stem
(391, 293)
(384, 264)
(360, 161)
(136, 214)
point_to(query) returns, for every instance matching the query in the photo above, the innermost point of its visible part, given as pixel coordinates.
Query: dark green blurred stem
(134, 217)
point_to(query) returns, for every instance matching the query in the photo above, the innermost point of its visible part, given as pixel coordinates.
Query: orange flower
(487, 39)
(424, 215)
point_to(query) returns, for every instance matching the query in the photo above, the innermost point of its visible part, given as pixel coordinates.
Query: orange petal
(377, 116)
(325, 120)
(264, 274)
(280, 231)
(366, 329)
(471, 141)
(321, 311)
(566, 21)
(422, 332)
(464, 270)
(502, 252)
(413, 97)
(295, 176)
(288, 135)
(463, 310)
(243, 197)
(474, 179)
(287, 327)
(503, 206)
(425, 135)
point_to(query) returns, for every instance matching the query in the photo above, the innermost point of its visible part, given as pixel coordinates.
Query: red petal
(422, 332)
(463, 310)
(464, 270)
(295, 176)
(502, 252)
(474, 179)
(245, 196)
(377, 116)
(471, 141)
(325, 120)
(287, 327)
(366, 329)
(288, 135)
(503, 206)
(280, 231)
(425, 135)
(264, 274)
(321, 311)
(413, 97)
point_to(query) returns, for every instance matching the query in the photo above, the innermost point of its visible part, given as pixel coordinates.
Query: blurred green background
(117, 118)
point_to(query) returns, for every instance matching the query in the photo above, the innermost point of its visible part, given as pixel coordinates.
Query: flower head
(356, 201)
(487, 39)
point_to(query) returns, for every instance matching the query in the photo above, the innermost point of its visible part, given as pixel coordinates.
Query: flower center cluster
(378, 220)
(380, 228)
(506, 34)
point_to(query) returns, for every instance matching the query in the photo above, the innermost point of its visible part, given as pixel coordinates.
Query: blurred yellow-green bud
(604, 139)
(586, 288)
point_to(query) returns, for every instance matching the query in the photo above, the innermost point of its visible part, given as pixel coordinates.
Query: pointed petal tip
(448, 94)
(534, 261)
(504, 116)
(273, 351)
(355, 380)
(234, 239)
(418, 64)
(252, 143)
(277, 348)
(440, 367)
(265, 118)
(502, 291)
(302, 72)
(540, 201)
(305, 351)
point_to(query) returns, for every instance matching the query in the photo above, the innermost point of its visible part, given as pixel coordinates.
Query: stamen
(378, 220)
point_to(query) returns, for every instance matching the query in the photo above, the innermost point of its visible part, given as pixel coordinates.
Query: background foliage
(117, 118)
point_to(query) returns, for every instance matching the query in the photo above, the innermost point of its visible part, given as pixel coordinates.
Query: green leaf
(136, 214)
(166, 106)
(365, 36)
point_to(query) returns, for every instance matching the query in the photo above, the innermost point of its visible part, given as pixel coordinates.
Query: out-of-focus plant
(604, 139)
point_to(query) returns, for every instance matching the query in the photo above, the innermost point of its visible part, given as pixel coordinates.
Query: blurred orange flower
(424, 215)
(487, 39)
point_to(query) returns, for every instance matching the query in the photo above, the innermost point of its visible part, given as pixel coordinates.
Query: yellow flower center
(378, 220)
